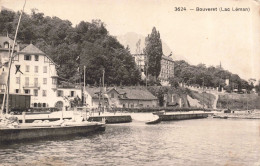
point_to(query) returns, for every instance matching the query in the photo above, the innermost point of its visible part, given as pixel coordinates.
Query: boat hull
(154, 121)
(16, 134)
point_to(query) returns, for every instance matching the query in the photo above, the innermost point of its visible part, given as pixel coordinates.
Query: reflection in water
(190, 142)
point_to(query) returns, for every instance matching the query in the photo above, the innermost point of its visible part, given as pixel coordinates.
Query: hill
(71, 48)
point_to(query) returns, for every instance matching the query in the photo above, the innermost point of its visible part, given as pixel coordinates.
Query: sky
(229, 37)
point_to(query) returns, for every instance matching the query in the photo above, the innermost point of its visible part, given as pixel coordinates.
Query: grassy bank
(239, 101)
(204, 98)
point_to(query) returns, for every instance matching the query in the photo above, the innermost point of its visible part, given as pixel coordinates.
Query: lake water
(189, 142)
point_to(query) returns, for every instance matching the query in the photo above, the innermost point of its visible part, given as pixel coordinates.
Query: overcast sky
(201, 37)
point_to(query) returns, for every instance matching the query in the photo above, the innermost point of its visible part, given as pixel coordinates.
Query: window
(72, 93)
(54, 81)
(27, 57)
(112, 95)
(27, 68)
(6, 45)
(26, 81)
(59, 93)
(36, 68)
(43, 104)
(17, 80)
(27, 91)
(44, 80)
(35, 82)
(35, 92)
(34, 104)
(44, 93)
(44, 69)
(36, 57)
(16, 90)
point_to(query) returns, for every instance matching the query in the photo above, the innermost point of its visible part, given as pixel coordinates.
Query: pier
(112, 118)
(108, 117)
(183, 116)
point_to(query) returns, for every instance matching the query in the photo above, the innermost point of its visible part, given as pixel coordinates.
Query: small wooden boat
(159, 112)
(156, 119)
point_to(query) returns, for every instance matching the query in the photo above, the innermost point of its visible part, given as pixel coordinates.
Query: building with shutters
(167, 67)
(34, 73)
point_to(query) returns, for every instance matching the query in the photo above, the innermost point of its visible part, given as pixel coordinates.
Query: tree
(257, 87)
(174, 81)
(88, 44)
(153, 51)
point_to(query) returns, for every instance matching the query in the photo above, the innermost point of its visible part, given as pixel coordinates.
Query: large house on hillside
(167, 67)
(120, 97)
(167, 70)
(34, 73)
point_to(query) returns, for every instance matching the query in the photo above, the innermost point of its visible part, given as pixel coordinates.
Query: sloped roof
(32, 50)
(4, 39)
(133, 93)
(167, 57)
(136, 93)
(94, 91)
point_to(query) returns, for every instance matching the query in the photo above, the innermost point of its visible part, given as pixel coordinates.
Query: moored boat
(156, 119)
(159, 112)
(37, 131)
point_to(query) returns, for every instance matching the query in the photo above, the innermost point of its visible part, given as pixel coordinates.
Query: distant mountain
(131, 38)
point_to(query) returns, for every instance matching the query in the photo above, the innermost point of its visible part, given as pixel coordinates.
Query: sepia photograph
(130, 82)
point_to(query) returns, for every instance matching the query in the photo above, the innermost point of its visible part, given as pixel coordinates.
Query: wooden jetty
(183, 116)
(109, 119)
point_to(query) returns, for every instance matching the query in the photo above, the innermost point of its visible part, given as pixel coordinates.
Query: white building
(140, 62)
(33, 72)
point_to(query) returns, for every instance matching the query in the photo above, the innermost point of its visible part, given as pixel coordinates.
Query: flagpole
(10, 61)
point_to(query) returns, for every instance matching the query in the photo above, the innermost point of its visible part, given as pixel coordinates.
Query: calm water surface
(190, 142)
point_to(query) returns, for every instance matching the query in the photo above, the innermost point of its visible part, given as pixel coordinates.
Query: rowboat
(156, 119)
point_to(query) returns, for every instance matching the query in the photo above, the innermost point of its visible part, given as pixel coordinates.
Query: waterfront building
(34, 73)
(132, 97)
(167, 67)
(5, 48)
(121, 97)
(94, 98)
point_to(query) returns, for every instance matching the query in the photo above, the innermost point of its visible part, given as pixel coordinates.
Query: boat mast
(10, 63)
(99, 104)
(103, 91)
(84, 99)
